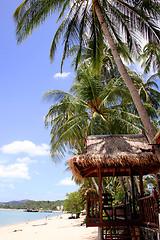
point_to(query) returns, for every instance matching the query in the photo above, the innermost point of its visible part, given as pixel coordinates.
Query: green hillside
(24, 204)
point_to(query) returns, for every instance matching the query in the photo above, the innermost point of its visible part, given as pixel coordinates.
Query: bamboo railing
(148, 210)
(109, 213)
(93, 208)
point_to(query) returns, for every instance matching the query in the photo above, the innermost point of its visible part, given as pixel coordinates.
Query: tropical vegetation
(94, 107)
(151, 57)
(39, 205)
(106, 97)
(116, 22)
(74, 203)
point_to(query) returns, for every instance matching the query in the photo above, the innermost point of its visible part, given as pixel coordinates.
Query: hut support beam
(141, 182)
(100, 229)
(100, 192)
(158, 182)
(133, 194)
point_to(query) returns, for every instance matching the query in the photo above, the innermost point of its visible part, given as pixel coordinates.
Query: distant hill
(15, 202)
(24, 204)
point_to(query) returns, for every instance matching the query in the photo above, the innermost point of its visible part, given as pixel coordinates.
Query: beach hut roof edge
(114, 151)
(157, 136)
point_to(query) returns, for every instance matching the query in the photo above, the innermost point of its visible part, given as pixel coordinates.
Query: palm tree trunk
(123, 187)
(129, 187)
(132, 89)
(122, 183)
(137, 185)
(96, 185)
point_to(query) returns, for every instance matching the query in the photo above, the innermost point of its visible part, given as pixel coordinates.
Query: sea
(9, 217)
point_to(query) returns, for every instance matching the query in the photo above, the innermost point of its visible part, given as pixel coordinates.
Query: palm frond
(30, 14)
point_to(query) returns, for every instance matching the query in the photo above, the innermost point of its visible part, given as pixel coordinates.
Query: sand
(54, 228)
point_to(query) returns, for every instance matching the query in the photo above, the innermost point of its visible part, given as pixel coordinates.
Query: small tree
(74, 203)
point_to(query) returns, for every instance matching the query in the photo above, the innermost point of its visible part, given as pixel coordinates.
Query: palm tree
(151, 57)
(106, 63)
(114, 18)
(136, 98)
(148, 91)
(90, 108)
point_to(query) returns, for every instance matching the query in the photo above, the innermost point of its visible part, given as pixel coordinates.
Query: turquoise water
(9, 217)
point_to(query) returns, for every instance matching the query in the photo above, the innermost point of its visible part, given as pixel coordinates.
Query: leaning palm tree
(104, 62)
(92, 107)
(119, 20)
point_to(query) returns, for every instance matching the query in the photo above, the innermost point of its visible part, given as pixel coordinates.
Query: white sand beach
(55, 228)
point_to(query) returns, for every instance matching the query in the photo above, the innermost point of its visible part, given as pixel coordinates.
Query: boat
(31, 210)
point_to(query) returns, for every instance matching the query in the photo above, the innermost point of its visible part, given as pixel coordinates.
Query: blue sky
(26, 169)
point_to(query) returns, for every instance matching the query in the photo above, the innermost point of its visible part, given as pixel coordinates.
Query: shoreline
(57, 227)
(21, 209)
(18, 216)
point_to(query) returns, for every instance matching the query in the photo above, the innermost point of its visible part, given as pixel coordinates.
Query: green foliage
(99, 102)
(74, 203)
(156, 123)
(120, 196)
(40, 205)
(149, 182)
(112, 186)
(92, 107)
(125, 20)
(151, 57)
(148, 89)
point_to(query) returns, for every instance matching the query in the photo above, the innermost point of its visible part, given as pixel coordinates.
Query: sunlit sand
(55, 228)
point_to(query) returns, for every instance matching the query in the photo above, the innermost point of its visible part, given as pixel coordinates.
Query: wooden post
(158, 182)
(141, 182)
(155, 195)
(133, 194)
(100, 229)
(100, 192)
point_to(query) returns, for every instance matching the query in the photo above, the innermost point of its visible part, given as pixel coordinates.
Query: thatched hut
(157, 138)
(117, 155)
(156, 144)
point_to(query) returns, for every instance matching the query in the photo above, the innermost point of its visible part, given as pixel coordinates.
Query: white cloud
(17, 170)
(26, 147)
(11, 186)
(61, 75)
(3, 161)
(67, 182)
(26, 160)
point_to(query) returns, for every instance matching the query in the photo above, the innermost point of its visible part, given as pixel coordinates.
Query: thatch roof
(114, 153)
(157, 136)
